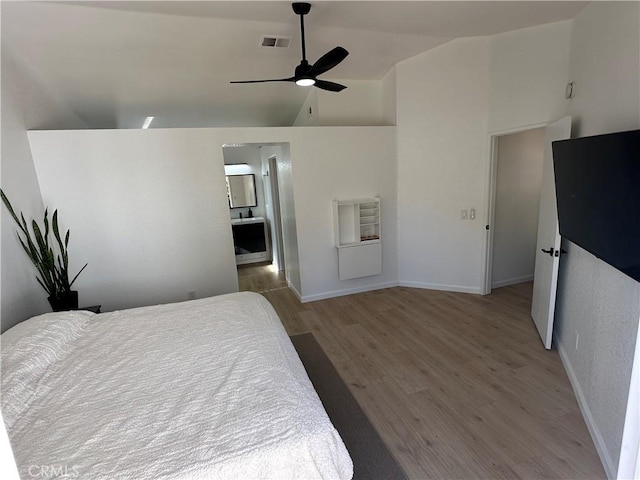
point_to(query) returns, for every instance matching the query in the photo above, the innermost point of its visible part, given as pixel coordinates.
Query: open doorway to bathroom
(255, 194)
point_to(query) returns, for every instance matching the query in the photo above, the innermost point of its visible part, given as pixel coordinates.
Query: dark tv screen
(598, 196)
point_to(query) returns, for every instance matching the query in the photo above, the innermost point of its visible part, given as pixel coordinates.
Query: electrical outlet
(464, 214)
(191, 294)
(472, 214)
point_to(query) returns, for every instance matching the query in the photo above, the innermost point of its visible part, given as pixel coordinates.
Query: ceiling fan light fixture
(306, 75)
(305, 82)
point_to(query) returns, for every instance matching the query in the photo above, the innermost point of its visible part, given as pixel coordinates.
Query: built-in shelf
(356, 221)
(356, 226)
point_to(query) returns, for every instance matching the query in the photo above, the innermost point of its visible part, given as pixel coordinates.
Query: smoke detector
(275, 41)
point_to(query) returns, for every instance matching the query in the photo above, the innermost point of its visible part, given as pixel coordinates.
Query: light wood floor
(459, 386)
(260, 277)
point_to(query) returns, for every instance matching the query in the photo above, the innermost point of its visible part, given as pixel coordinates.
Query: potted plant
(53, 269)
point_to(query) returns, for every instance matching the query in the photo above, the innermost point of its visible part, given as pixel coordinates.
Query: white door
(545, 279)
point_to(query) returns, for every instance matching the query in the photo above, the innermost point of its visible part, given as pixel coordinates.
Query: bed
(210, 388)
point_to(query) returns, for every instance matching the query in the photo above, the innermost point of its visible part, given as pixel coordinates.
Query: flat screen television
(598, 196)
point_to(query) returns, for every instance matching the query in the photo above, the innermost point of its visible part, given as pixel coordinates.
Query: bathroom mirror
(241, 190)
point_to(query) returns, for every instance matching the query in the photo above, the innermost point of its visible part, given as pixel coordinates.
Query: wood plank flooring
(459, 386)
(260, 277)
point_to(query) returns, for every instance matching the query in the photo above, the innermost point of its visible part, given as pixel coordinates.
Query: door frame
(272, 169)
(491, 182)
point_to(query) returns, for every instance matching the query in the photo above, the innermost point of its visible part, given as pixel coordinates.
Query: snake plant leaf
(46, 289)
(31, 254)
(33, 251)
(24, 227)
(63, 279)
(56, 231)
(63, 269)
(50, 283)
(7, 204)
(38, 234)
(64, 263)
(46, 226)
(52, 269)
(74, 278)
(49, 256)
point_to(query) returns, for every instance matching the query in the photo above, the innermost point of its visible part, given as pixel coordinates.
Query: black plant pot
(64, 301)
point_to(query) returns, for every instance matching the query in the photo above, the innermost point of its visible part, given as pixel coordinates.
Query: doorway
(547, 249)
(258, 227)
(516, 203)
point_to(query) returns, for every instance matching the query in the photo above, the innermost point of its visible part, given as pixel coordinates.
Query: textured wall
(596, 302)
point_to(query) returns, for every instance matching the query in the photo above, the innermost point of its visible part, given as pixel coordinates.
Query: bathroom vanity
(250, 240)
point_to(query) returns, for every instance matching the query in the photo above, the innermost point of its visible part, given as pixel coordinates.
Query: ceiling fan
(305, 74)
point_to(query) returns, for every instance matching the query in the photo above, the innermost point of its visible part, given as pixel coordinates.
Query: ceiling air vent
(275, 41)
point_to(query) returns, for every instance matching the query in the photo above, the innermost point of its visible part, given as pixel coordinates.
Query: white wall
(325, 163)
(595, 301)
(449, 100)
(148, 208)
(529, 71)
(442, 114)
(389, 93)
(517, 205)
(25, 103)
(360, 104)
(308, 114)
(22, 296)
(342, 163)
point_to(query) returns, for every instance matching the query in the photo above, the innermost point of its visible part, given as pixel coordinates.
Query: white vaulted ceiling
(114, 63)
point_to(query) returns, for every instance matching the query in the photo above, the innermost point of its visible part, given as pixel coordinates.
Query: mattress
(210, 388)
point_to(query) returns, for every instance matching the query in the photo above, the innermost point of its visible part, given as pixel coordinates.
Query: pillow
(29, 351)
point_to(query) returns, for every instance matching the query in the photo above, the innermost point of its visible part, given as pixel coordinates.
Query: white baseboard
(367, 288)
(605, 458)
(446, 288)
(294, 290)
(347, 291)
(511, 281)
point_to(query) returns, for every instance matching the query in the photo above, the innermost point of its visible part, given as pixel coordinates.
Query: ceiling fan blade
(330, 86)
(290, 79)
(306, 74)
(328, 61)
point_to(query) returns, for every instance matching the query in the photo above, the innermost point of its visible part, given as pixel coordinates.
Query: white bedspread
(209, 389)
